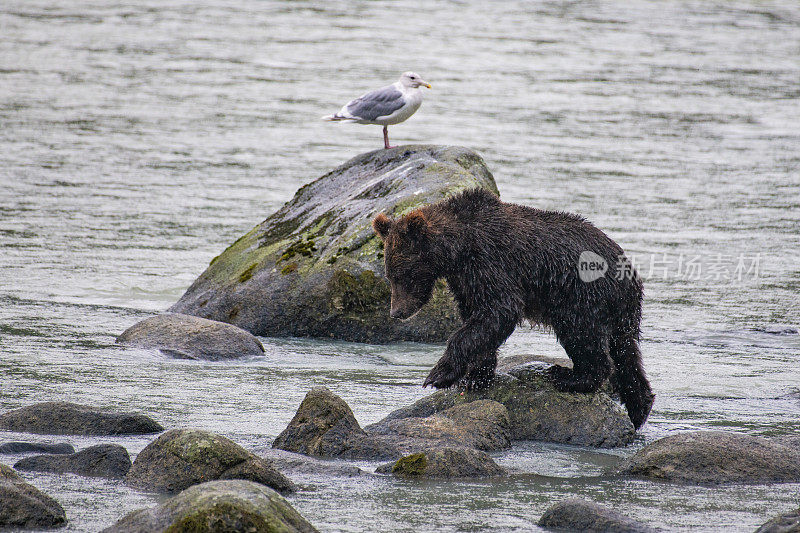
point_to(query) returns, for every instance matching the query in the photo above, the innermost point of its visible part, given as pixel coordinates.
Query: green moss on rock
(299, 247)
(288, 269)
(354, 295)
(223, 517)
(248, 273)
(411, 465)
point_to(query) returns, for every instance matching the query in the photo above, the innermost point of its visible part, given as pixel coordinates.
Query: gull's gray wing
(378, 103)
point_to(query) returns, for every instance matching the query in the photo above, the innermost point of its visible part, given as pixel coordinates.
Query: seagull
(388, 105)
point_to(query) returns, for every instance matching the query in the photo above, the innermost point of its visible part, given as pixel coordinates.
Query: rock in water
(582, 515)
(315, 267)
(37, 447)
(715, 457)
(181, 458)
(24, 506)
(324, 426)
(536, 410)
(191, 337)
(222, 506)
(7, 473)
(444, 463)
(63, 418)
(785, 523)
(102, 460)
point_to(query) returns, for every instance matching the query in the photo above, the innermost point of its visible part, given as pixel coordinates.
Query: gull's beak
(425, 83)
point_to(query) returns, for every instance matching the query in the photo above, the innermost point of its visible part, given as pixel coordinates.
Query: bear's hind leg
(590, 365)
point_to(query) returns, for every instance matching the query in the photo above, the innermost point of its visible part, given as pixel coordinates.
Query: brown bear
(506, 263)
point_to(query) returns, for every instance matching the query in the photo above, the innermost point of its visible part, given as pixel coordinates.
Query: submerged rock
(444, 463)
(36, 447)
(102, 460)
(785, 523)
(581, 515)
(234, 505)
(62, 418)
(324, 426)
(715, 457)
(537, 411)
(295, 463)
(24, 506)
(181, 458)
(191, 337)
(315, 267)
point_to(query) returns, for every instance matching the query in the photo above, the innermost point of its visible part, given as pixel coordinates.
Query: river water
(139, 139)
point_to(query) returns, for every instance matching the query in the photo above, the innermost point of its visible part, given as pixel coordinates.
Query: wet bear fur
(505, 264)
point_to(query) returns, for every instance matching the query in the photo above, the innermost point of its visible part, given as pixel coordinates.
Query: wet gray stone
(191, 337)
(102, 460)
(24, 506)
(785, 523)
(586, 516)
(715, 457)
(63, 418)
(36, 447)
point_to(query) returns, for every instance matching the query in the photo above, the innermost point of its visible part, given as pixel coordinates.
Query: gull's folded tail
(336, 117)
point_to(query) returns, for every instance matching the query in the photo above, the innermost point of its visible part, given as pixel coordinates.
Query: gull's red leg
(386, 137)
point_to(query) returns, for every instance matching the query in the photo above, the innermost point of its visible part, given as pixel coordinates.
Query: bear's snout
(403, 307)
(400, 313)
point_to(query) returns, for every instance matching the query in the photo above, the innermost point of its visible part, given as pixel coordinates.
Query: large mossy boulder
(218, 506)
(315, 267)
(64, 418)
(536, 410)
(715, 457)
(191, 337)
(181, 458)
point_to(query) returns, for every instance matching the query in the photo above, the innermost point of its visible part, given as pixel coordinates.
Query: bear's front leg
(478, 337)
(480, 373)
(444, 374)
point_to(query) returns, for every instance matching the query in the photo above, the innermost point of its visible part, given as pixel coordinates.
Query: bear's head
(409, 263)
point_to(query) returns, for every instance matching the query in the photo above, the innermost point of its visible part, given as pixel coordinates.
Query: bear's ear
(382, 224)
(416, 225)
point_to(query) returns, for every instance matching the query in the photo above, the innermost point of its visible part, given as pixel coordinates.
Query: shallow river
(139, 139)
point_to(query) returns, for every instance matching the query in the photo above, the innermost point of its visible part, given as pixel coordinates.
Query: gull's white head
(412, 79)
